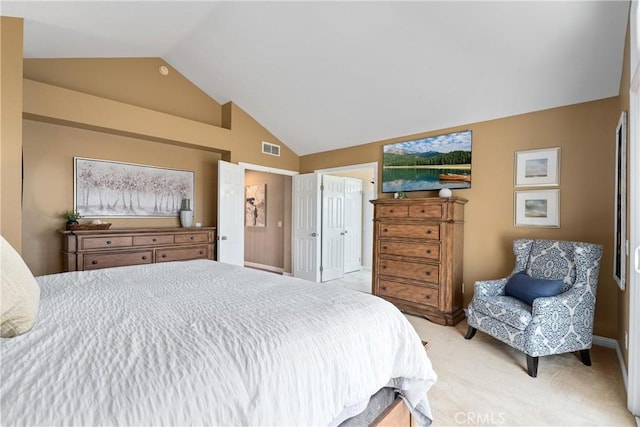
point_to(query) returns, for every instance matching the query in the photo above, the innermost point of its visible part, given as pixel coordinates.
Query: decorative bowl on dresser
(92, 249)
(418, 250)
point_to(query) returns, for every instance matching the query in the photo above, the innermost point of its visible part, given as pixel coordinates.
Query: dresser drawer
(192, 238)
(117, 259)
(416, 231)
(158, 239)
(181, 254)
(392, 211)
(105, 242)
(429, 251)
(409, 270)
(402, 291)
(426, 211)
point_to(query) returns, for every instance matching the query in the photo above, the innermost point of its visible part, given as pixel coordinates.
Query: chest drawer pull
(428, 231)
(144, 257)
(164, 255)
(108, 242)
(201, 253)
(384, 288)
(154, 239)
(429, 251)
(94, 262)
(191, 237)
(428, 273)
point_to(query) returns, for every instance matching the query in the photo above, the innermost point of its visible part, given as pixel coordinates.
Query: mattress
(205, 343)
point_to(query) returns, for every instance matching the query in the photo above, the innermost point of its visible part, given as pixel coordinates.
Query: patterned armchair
(550, 325)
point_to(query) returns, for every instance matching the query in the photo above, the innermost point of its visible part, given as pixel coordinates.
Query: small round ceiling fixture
(164, 70)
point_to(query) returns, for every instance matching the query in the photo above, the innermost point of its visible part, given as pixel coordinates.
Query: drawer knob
(385, 230)
(384, 266)
(428, 273)
(391, 210)
(144, 257)
(422, 211)
(428, 297)
(201, 253)
(428, 231)
(153, 240)
(164, 255)
(384, 247)
(384, 288)
(94, 262)
(428, 251)
(108, 242)
(191, 237)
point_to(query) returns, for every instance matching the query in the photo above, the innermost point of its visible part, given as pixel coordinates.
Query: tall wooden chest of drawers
(418, 251)
(93, 249)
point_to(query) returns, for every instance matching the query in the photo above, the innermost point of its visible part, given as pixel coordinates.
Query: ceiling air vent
(271, 149)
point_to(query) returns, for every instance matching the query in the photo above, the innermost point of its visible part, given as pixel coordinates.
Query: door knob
(314, 234)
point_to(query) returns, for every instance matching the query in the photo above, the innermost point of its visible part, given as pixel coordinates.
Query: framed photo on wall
(535, 168)
(256, 205)
(537, 208)
(107, 188)
(620, 205)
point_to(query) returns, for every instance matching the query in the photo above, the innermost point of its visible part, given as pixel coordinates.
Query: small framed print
(620, 214)
(537, 208)
(537, 167)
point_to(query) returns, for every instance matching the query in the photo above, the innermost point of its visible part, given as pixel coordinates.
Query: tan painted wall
(142, 123)
(133, 81)
(266, 245)
(49, 150)
(11, 130)
(584, 132)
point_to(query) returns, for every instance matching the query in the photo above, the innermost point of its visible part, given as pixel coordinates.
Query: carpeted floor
(484, 382)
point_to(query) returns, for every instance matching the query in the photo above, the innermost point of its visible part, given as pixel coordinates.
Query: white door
(230, 213)
(352, 225)
(332, 227)
(306, 226)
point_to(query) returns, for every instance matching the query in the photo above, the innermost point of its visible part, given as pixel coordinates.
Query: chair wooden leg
(471, 331)
(586, 358)
(532, 366)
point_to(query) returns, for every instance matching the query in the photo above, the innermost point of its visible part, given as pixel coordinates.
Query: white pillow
(19, 293)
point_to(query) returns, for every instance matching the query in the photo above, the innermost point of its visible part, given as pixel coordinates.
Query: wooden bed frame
(396, 414)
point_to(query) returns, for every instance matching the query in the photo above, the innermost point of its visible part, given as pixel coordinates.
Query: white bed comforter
(205, 343)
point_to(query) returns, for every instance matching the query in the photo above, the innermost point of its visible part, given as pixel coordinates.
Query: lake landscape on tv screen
(432, 163)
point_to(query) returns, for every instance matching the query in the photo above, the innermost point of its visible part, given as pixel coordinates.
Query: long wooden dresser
(418, 251)
(93, 249)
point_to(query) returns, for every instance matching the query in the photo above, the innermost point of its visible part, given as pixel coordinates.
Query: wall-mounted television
(432, 163)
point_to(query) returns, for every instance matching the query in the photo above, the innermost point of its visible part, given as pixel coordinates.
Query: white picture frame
(537, 208)
(535, 168)
(620, 204)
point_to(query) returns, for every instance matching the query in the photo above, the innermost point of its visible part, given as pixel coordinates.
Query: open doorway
(367, 173)
(267, 218)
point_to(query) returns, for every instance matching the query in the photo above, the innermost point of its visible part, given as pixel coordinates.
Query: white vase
(186, 217)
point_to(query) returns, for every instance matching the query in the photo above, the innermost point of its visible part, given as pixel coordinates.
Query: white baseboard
(264, 267)
(611, 343)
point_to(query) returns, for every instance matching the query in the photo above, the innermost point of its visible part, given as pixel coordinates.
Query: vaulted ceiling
(325, 75)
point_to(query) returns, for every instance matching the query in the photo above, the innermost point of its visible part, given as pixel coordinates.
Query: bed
(205, 343)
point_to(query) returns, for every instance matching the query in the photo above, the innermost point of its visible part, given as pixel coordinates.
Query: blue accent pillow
(527, 288)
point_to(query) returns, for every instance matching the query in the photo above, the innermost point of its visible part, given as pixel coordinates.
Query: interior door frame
(277, 171)
(373, 165)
